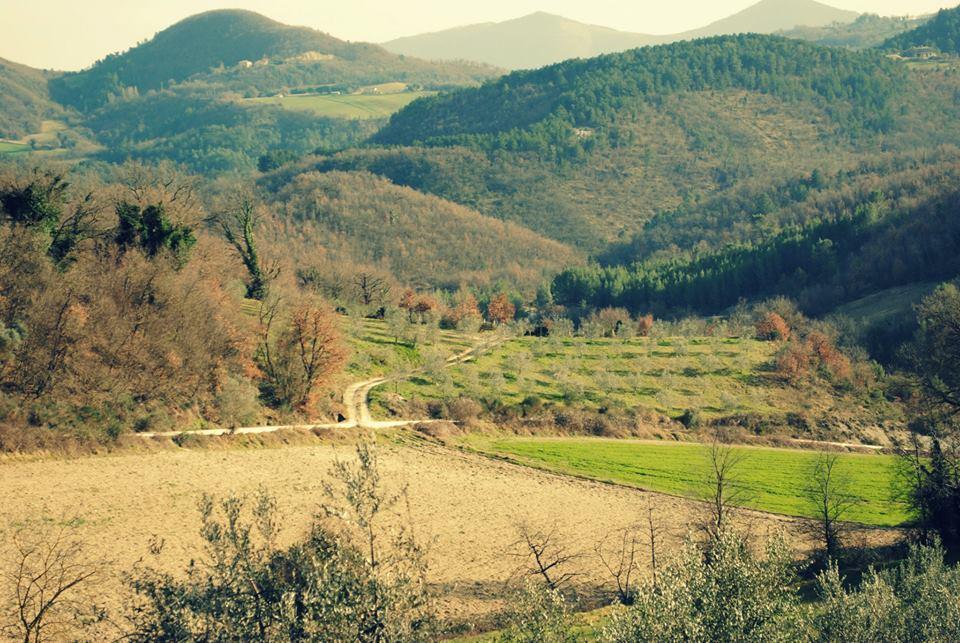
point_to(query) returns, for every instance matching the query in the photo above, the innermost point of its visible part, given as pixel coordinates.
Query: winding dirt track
(355, 400)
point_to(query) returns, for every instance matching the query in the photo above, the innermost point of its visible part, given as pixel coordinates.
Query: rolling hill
(541, 39)
(234, 49)
(942, 32)
(212, 92)
(356, 219)
(24, 100)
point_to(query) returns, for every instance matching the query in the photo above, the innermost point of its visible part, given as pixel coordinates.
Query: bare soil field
(466, 506)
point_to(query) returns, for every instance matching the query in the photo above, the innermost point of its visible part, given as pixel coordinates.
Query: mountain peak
(542, 38)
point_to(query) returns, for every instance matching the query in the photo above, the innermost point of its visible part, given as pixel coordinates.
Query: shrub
(351, 579)
(772, 327)
(538, 615)
(644, 325)
(918, 600)
(793, 361)
(691, 419)
(237, 403)
(610, 322)
(463, 409)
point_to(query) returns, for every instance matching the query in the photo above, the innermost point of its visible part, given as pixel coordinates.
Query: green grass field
(771, 479)
(715, 376)
(886, 303)
(7, 147)
(349, 106)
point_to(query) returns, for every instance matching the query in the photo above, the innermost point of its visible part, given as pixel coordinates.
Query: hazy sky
(71, 34)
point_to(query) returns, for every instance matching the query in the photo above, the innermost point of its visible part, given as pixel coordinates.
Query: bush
(691, 419)
(539, 615)
(644, 325)
(793, 361)
(463, 410)
(238, 403)
(919, 600)
(726, 595)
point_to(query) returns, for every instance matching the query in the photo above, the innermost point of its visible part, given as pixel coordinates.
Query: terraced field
(713, 376)
(770, 480)
(377, 352)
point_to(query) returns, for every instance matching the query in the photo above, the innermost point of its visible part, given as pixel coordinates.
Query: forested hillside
(213, 135)
(182, 95)
(539, 110)
(942, 32)
(843, 243)
(588, 151)
(24, 100)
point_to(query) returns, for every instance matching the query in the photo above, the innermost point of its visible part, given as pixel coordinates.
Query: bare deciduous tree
(371, 289)
(828, 495)
(48, 585)
(653, 535)
(620, 559)
(722, 491)
(297, 351)
(544, 555)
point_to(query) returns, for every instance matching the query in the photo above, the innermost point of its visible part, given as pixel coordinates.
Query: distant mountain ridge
(541, 38)
(531, 41)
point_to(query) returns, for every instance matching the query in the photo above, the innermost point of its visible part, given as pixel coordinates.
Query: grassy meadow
(713, 376)
(770, 479)
(348, 106)
(886, 303)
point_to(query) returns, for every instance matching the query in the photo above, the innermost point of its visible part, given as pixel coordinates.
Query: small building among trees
(921, 53)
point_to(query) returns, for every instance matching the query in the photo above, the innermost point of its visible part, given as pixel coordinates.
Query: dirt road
(355, 400)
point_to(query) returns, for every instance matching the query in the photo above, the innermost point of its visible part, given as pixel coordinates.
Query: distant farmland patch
(771, 479)
(7, 147)
(350, 106)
